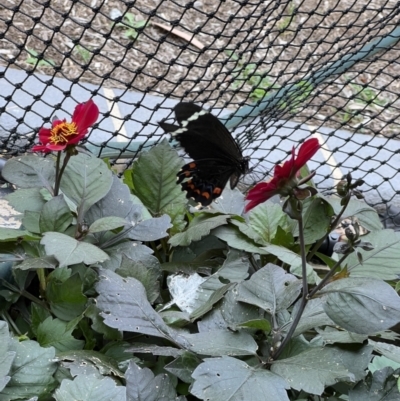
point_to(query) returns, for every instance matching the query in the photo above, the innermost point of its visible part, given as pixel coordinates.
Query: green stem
(57, 183)
(304, 297)
(6, 317)
(61, 172)
(42, 280)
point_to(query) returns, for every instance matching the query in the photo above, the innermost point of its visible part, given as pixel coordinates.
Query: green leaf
(124, 306)
(26, 199)
(154, 178)
(93, 312)
(381, 362)
(66, 298)
(270, 288)
(55, 215)
(68, 251)
(382, 386)
(366, 215)
(90, 388)
(388, 350)
(382, 261)
(107, 224)
(221, 342)
(200, 226)
(312, 317)
(147, 271)
(38, 314)
(235, 239)
(31, 372)
(141, 385)
(317, 218)
(183, 366)
(56, 333)
(6, 356)
(314, 369)
(11, 234)
(46, 262)
(106, 365)
(361, 305)
(85, 181)
(293, 260)
(30, 221)
(230, 379)
(30, 172)
(332, 336)
(258, 324)
(265, 220)
(150, 229)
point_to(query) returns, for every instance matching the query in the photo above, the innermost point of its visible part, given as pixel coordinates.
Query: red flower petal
(306, 152)
(85, 115)
(260, 193)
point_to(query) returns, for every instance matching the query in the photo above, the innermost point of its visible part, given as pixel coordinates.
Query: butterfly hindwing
(217, 157)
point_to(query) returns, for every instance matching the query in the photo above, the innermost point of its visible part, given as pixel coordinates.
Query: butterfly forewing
(217, 157)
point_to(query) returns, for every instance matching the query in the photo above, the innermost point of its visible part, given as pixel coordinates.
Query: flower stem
(60, 172)
(304, 297)
(42, 280)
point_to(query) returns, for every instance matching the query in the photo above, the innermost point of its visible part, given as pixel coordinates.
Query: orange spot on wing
(217, 191)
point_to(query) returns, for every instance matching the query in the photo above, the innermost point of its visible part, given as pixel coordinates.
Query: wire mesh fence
(283, 70)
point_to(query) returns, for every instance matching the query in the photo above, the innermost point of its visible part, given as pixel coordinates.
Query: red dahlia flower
(63, 133)
(285, 176)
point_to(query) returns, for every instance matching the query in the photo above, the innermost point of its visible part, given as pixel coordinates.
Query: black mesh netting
(302, 68)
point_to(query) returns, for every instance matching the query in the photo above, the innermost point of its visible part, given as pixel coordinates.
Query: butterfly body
(216, 156)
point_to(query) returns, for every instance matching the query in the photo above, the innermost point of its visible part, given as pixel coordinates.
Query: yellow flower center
(61, 132)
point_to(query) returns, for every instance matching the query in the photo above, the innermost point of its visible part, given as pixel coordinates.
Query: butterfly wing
(217, 157)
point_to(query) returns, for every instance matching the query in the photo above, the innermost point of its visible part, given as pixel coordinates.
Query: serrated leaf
(66, 298)
(313, 370)
(31, 372)
(382, 261)
(200, 226)
(361, 305)
(55, 215)
(270, 288)
(98, 324)
(68, 251)
(141, 385)
(56, 333)
(265, 220)
(26, 199)
(85, 181)
(90, 388)
(30, 172)
(230, 379)
(382, 386)
(221, 342)
(124, 305)
(107, 224)
(154, 177)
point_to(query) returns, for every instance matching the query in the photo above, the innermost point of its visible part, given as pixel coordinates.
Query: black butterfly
(217, 157)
